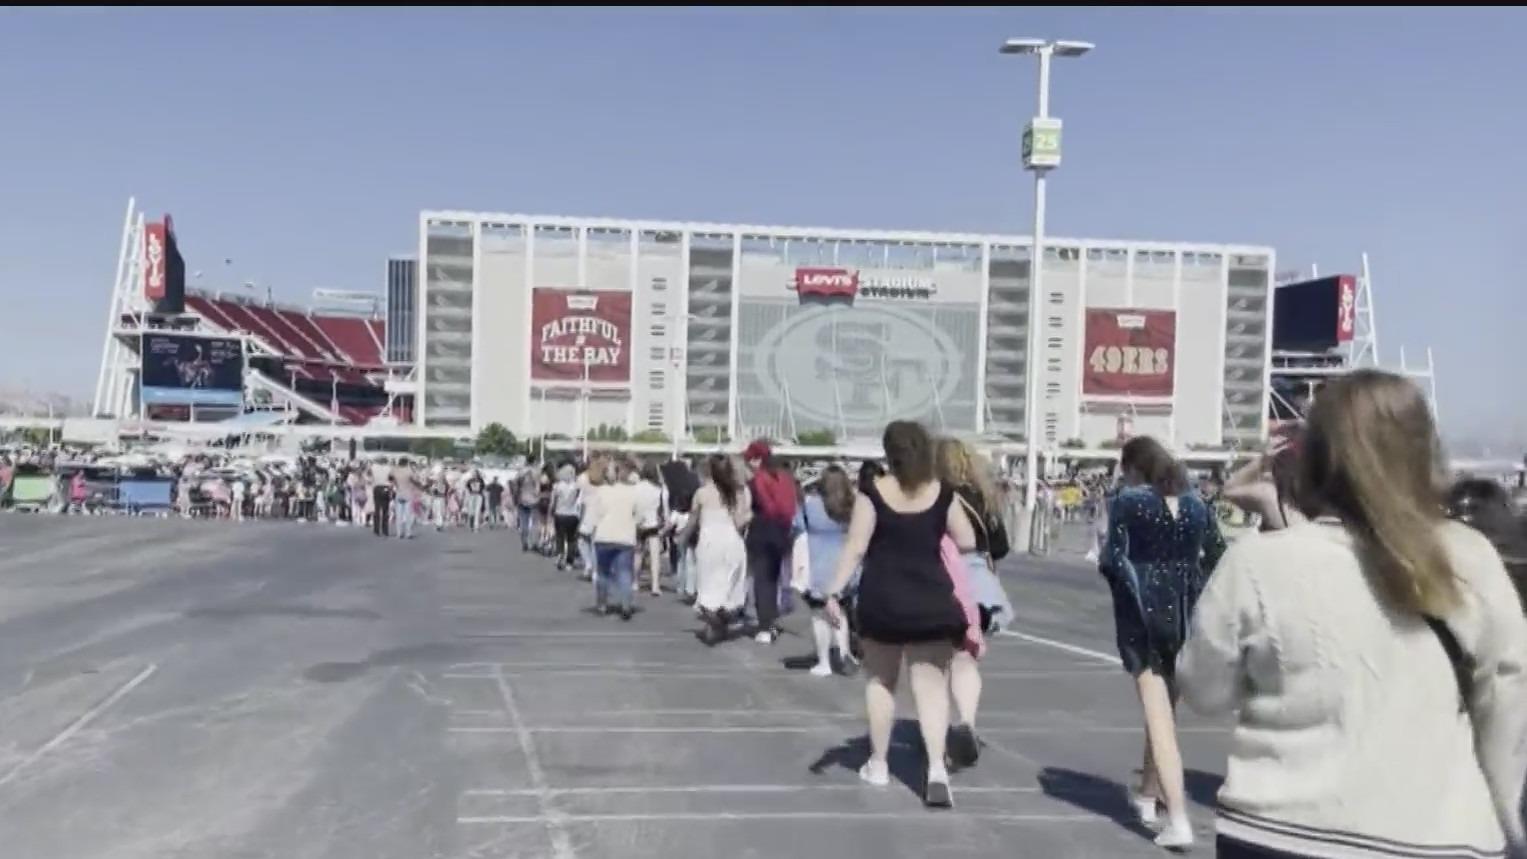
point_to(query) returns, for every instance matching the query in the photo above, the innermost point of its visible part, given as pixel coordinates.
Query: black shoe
(713, 633)
(938, 795)
(964, 749)
(626, 614)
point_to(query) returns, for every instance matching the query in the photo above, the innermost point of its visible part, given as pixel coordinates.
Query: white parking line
(562, 845)
(1061, 645)
(587, 635)
(74, 727)
(712, 788)
(1058, 728)
(741, 675)
(836, 816)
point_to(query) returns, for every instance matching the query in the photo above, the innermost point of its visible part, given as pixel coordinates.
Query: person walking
(720, 512)
(527, 491)
(1375, 658)
(824, 516)
(594, 476)
(970, 476)
(1162, 542)
(649, 529)
(775, 495)
(680, 485)
(615, 532)
(565, 509)
(381, 498)
(906, 602)
(405, 499)
(476, 496)
(495, 502)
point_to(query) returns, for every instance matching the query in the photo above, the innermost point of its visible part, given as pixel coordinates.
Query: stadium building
(174, 356)
(558, 325)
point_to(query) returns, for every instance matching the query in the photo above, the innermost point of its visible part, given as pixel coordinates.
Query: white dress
(721, 557)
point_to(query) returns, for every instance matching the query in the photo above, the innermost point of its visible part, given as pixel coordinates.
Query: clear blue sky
(302, 144)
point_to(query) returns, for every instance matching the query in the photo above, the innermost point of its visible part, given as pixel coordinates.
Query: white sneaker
(1178, 835)
(821, 669)
(765, 637)
(1146, 808)
(877, 775)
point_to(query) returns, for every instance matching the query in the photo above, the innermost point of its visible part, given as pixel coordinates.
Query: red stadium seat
(315, 351)
(354, 339)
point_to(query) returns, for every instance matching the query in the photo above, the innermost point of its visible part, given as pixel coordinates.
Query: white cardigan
(1349, 741)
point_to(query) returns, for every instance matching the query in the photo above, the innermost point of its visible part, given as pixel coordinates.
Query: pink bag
(954, 566)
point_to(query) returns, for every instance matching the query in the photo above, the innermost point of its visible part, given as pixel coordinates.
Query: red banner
(1129, 353)
(154, 256)
(1346, 308)
(574, 332)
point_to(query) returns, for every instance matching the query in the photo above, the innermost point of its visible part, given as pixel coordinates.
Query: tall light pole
(1041, 153)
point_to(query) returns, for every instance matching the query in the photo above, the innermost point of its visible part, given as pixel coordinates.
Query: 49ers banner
(1129, 353)
(576, 329)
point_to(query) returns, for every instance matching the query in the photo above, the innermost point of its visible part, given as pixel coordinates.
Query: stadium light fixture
(1022, 46)
(1041, 154)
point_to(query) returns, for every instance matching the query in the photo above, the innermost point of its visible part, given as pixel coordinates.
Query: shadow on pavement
(414, 654)
(906, 759)
(1101, 796)
(1203, 787)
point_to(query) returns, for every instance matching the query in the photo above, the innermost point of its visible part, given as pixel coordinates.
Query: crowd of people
(1371, 651)
(1369, 643)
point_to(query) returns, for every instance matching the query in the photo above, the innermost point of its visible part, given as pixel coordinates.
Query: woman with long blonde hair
(1376, 655)
(969, 474)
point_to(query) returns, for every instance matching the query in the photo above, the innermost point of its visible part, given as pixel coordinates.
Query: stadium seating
(327, 358)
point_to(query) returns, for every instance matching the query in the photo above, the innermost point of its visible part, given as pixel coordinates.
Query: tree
(496, 440)
(651, 436)
(1073, 444)
(607, 432)
(711, 435)
(816, 438)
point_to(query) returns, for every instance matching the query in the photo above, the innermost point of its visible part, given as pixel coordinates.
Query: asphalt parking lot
(198, 689)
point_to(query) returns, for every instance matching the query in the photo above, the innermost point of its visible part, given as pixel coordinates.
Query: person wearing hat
(775, 497)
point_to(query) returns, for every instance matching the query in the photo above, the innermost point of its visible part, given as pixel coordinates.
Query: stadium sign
(577, 335)
(153, 260)
(1130, 353)
(825, 284)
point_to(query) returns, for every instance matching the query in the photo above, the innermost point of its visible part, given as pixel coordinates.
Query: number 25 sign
(1129, 353)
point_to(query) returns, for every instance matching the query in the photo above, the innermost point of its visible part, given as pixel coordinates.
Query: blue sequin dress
(1156, 565)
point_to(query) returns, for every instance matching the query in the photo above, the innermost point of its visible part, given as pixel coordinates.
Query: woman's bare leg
(882, 666)
(965, 687)
(1161, 740)
(928, 666)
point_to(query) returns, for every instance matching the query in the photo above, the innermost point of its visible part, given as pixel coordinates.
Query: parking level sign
(1041, 144)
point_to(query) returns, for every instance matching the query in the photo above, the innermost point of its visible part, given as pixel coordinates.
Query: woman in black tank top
(906, 604)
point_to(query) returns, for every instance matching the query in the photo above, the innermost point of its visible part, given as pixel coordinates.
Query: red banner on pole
(1129, 353)
(154, 257)
(574, 332)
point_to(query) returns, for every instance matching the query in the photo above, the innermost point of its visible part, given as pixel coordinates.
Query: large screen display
(186, 369)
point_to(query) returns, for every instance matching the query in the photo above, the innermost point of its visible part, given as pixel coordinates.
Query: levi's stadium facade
(560, 325)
